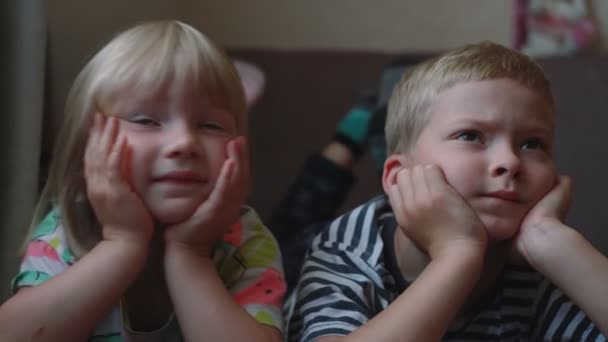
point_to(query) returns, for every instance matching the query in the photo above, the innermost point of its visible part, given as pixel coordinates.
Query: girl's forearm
(203, 305)
(70, 305)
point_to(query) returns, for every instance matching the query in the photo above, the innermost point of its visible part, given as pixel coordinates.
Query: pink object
(42, 249)
(269, 289)
(235, 234)
(253, 80)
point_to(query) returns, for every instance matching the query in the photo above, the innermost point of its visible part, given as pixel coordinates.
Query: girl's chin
(173, 213)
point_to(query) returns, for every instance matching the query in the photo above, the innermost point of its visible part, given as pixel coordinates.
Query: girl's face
(177, 142)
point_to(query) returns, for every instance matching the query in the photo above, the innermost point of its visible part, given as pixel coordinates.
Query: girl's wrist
(133, 237)
(180, 249)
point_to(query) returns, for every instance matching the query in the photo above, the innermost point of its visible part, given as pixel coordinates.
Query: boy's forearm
(70, 305)
(202, 303)
(424, 311)
(577, 269)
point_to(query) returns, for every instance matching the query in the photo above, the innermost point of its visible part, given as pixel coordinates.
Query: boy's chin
(500, 229)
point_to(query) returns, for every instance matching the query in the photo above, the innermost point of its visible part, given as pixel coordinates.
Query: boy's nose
(506, 162)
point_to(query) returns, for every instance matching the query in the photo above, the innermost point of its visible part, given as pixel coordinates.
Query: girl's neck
(147, 300)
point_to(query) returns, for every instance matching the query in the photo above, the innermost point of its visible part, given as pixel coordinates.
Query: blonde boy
(468, 241)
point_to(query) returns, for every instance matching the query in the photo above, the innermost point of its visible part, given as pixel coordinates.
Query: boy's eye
(533, 144)
(469, 136)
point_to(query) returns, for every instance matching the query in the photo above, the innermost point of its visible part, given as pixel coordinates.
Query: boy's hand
(120, 211)
(215, 215)
(545, 217)
(431, 213)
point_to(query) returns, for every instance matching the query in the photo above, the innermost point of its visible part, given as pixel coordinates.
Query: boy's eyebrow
(532, 125)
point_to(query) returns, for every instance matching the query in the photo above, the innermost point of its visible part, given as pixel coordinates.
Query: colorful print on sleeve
(249, 262)
(46, 255)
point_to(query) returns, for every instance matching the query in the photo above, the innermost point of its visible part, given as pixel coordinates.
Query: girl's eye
(533, 144)
(213, 126)
(144, 121)
(471, 136)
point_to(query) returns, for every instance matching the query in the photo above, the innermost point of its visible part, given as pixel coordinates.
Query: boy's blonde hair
(410, 103)
(137, 62)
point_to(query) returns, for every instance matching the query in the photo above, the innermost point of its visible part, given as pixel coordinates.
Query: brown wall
(78, 28)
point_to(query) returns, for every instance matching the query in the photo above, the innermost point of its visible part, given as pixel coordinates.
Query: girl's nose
(183, 143)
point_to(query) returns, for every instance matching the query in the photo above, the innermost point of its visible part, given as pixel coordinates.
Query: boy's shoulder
(358, 231)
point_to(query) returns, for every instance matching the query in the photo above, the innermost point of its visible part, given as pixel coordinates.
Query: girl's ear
(392, 165)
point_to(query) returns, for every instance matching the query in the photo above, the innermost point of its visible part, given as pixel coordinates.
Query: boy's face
(493, 141)
(178, 142)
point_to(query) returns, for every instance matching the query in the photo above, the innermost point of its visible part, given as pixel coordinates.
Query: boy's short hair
(409, 105)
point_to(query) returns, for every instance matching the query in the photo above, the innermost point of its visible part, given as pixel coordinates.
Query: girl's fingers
(125, 165)
(108, 136)
(91, 153)
(116, 156)
(240, 178)
(217, 196)
(94, 130)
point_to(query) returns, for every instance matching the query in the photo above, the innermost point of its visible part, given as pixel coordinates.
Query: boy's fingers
(562, 195)
(420, 185)
(404, 180)
(396, 201)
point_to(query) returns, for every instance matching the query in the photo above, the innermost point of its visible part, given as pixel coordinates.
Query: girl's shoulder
(248, 226)
(49, 238)
(49, 227)
(248, 244)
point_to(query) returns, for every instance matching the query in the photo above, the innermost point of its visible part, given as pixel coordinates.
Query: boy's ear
(392, 165)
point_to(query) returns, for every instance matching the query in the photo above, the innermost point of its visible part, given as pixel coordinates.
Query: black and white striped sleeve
(559, 319)
(337, 292)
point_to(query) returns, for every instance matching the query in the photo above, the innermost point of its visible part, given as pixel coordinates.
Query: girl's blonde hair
(144, 58)
(412, 98)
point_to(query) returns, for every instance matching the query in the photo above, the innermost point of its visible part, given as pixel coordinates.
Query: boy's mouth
(505, 195)
(180, 176)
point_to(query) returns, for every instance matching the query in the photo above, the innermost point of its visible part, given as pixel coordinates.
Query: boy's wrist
(464, 249)
(539, 248)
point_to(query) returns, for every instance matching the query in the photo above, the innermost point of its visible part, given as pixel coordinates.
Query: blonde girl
(141, 233)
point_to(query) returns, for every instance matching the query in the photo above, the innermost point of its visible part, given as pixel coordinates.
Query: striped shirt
(350, 274)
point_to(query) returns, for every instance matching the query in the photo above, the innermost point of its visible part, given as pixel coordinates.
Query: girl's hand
(431, 213)
(215, 215)
(546, 217)
(120, 211)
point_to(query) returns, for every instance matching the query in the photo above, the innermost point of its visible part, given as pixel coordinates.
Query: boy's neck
(411, 261)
